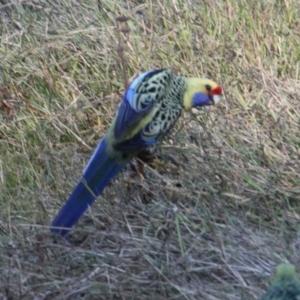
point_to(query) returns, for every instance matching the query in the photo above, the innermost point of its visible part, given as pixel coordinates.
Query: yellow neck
(188, 95)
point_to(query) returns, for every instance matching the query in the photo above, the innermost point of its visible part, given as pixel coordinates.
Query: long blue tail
(99, 171)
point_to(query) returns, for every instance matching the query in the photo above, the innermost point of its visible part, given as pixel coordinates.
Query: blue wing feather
(127, 117)
(134, 105)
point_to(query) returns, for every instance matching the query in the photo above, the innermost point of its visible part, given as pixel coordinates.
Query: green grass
(213, 227)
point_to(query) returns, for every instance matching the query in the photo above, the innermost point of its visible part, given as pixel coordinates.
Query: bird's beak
(216, 99)
(215, 95)
(210, 97)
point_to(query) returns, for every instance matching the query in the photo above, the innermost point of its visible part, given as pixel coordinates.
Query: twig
(120, 49)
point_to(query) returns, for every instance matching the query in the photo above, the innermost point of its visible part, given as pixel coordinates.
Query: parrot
(286, 285)
(148, 110)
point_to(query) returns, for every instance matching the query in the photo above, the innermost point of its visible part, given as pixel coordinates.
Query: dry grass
(214, 227)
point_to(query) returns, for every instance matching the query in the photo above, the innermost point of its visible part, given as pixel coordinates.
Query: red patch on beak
(217, 91)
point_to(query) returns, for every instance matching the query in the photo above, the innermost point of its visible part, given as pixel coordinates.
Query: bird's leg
(154, 159)
(145, 157)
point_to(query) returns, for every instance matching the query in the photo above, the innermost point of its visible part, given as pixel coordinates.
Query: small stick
(120, 48)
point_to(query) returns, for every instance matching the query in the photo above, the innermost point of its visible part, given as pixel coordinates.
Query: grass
(212, 227)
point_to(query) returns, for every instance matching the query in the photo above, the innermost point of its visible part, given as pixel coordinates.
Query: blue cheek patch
(200, 99)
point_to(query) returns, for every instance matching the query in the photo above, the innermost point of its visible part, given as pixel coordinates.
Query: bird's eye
(208, 87)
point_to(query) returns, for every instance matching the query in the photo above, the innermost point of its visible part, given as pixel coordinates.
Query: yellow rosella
(286, 285)
(149, 108)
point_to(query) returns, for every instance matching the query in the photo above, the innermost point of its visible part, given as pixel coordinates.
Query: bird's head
(201, 92)
(286, 272)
